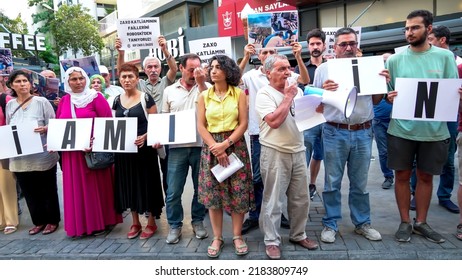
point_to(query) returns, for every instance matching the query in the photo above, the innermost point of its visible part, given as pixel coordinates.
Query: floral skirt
(234, 194)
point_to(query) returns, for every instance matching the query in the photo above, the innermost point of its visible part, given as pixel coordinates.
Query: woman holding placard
(222, 119)
(35, 173)
(88, 194)
(137, 176)
(8, 198)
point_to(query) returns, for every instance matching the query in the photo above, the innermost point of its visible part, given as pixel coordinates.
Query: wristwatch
(230, 141)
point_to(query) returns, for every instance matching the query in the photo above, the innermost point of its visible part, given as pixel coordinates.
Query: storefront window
(172, 20)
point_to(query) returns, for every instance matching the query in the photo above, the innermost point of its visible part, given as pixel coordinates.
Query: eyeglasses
(344, 45)
(126, 112)
(292, 109)
(412, 28)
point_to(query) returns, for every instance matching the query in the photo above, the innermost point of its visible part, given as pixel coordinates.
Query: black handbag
(99, 160)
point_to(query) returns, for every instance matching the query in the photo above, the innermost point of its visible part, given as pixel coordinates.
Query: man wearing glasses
(346, 141)
(425, 141)
(253, 80)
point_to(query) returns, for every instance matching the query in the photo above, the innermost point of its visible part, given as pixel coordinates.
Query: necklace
(220, 94)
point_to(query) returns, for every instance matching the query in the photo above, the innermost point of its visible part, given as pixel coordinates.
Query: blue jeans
(353, 149)
(179, 161)
(447, 177)
(313, 143)
(255, 149)
(380, 128)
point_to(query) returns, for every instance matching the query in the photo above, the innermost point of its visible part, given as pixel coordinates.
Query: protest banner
(87, 63)
(206, 48)
(6, 61)
(138, 33)
(330, 39)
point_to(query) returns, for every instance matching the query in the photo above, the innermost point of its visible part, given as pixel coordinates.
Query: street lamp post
(111, 49)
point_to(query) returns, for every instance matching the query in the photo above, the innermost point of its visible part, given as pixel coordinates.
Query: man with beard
(316, 39)
(425, 141)
(347, 142)
(154, 85)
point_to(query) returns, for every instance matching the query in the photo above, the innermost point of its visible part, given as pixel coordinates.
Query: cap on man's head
(103, 69)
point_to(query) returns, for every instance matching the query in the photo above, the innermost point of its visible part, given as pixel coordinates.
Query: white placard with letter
(172, 128)
(206, 48)
(69, 134)
(20, 140)
(115, 135)
(426, 99)
(138, 33)
(362, 72)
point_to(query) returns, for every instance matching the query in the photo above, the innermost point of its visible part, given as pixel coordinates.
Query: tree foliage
(73, 28)
(43, 16)
(18, 26)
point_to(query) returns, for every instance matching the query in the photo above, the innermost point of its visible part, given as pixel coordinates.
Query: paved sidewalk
(348, 245)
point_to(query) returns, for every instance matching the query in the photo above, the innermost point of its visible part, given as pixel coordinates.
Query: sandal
(9, 229)
(36, 229)
(216, 251)
(242, 249)
(135, 230)
(148, 234)
(50, 228)
(459, 232)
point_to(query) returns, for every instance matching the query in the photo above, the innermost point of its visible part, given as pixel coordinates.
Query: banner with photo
(6, 61)
(43, 86)
(87, 63)
(273, 30)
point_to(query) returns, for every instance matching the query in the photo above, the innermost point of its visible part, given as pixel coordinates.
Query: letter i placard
(20, 140)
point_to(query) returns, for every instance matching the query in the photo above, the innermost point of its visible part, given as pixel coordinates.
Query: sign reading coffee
(22, 41)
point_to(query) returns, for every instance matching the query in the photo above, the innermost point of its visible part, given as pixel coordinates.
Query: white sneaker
(368, 232)
(328, 235)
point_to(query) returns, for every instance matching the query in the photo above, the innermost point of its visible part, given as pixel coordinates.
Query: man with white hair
(152, 66)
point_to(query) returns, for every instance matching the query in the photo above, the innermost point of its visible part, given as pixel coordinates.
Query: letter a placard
(426, 99)
(20, 140)
(69, 134)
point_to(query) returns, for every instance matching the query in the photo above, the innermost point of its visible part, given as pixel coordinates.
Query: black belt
(359, 126)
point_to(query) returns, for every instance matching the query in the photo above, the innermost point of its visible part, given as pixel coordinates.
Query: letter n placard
(426, 99)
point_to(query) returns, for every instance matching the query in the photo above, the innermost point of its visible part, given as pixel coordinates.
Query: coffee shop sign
(22, 41)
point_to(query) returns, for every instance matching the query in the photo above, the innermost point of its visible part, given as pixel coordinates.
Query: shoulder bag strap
(21, 105)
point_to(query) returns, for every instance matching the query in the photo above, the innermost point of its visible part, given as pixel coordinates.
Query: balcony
(108, 24)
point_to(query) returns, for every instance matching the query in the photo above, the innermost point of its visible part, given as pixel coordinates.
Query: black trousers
(40, 190)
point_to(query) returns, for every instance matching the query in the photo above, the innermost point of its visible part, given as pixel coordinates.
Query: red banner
(229, 14)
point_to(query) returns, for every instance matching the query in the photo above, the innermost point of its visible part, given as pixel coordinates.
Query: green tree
(74, 29)
(44, 16)
(18, 26)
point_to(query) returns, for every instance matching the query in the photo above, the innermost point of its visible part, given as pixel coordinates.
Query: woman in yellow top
(222, 119)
